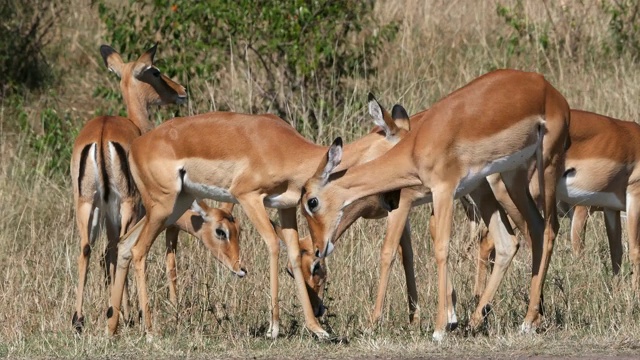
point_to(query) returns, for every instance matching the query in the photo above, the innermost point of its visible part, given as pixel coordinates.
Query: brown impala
(495, 126)
(257, 161)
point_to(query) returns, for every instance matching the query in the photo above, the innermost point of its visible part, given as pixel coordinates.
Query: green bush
(24, 32)
(303, 46)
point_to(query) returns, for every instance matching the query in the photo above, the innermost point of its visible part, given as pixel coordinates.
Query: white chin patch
(329, 249)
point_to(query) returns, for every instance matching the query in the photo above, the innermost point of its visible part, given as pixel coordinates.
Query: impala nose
(327, 250)
(241, 273)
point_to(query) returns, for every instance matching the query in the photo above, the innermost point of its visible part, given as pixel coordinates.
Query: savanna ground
(439, 46)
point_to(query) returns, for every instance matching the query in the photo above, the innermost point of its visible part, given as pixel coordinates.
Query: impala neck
(391, 171)
(138, 113)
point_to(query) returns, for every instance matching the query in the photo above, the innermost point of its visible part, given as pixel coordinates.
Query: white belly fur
(576, 196)
(506, 163)
(204, 191)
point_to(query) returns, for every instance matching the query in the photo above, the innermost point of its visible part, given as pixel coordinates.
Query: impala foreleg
(257, 214)
(290, 233)
(578, 226)
(396, 227)
(443, 209)
(406, 250)
(452, 320)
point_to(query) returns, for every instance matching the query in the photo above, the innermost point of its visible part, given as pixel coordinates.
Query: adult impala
(257, 161)
(496, 125)
(398, 230)
(103, 189)
(601, 170)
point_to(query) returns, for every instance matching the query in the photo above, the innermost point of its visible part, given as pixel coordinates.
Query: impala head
(322, 203)
(220, 234)
(313, 271)
(143, 79)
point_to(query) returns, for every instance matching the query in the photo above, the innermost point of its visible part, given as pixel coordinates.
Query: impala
(257, 161)
(398, 229)
(494, 127)
(601, 172)
(103, 189)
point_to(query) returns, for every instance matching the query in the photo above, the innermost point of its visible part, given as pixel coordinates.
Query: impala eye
(221, 234)
(312, 204)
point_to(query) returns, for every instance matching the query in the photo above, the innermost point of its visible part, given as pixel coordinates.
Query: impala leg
(480, 235)
(135, 246)
(170, 260)
(485, 255)
(578, 226)
(506, 243)
(409, 272)
(541, 260)
(257, 214)
(88, 220)
(443, 209)
(633, 222)
(613, 225)
(452, 319)
(396, 225)
(290, 233)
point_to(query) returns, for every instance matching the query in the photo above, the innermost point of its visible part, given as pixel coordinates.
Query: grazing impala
(493, 127)
(398, 229)
(103, 189)
(257, 161)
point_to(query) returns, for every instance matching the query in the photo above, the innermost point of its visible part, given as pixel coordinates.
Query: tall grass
(441, 46)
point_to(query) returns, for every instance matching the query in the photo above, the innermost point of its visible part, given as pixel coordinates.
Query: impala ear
(306, 244)
(147, 57)
(382, 118)
(201, 208)
(400, 117)
(330, 162)
(112, 60)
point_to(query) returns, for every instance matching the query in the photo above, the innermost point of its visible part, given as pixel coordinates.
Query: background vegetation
(312, 63)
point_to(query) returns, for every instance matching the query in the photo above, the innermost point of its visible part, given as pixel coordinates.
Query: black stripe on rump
(83, 165)
(124, 166)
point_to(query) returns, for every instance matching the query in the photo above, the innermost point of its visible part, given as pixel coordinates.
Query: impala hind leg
(506, 243)
(88, 219)
(135, 246)
(613, 225)
(633, 226)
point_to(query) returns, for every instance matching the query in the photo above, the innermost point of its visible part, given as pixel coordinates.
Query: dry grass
(441, 46)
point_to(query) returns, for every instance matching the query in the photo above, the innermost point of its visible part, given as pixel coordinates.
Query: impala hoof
(438, 336)
(77, 322)
(452, 326)
(273, 332)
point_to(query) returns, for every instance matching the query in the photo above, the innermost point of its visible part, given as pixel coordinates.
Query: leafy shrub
(52, 142)
(624, 26)
(24, 32)
(301, 46)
